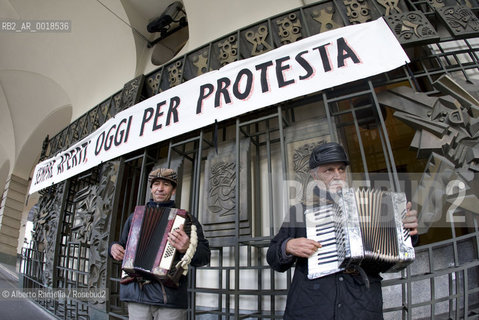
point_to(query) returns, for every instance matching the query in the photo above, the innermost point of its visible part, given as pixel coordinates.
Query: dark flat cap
(327, 153)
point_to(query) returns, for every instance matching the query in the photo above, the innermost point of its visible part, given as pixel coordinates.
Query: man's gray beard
(337, 186)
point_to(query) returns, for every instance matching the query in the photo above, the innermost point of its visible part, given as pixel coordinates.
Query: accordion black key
(360, 227)
(148, 253)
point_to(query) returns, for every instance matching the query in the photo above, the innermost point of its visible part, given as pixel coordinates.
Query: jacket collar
(165, 204)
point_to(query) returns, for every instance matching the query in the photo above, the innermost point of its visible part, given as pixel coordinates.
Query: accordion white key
(361, 227)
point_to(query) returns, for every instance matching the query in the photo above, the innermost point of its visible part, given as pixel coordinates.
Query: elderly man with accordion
(157, 244)
(337, 270)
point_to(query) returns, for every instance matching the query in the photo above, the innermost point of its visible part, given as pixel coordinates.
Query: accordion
(148, 253)
(360, 227)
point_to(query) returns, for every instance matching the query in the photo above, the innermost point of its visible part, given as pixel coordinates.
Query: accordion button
(341, 279)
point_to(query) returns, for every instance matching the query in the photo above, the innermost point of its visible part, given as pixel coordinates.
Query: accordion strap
(190, 252)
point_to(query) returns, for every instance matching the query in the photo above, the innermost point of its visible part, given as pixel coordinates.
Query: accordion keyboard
(169, 253)
(320, 226)
(362, 227)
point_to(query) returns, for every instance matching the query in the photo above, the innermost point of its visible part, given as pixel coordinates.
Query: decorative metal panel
(132, 92)
(226, 50)
(104, 111)
(152, 83)
(447, 134)
(389, 7)
(115, 105)
(221, 203)
(460, 21)
(288, 28)
(324, 17)
(412, 28)
(172, 75)
(46, 219)
(256, 40)
(300, 141)
(197, 64)
(358, 11)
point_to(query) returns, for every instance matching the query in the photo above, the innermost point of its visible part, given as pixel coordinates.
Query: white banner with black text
(310, 65)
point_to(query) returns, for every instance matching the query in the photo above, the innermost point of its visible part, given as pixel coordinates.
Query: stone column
(11, 207)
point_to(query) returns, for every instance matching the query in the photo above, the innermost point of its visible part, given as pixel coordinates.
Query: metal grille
(72, 266)
(441, 284)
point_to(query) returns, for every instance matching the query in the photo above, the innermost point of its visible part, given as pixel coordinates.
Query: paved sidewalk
(21, 308)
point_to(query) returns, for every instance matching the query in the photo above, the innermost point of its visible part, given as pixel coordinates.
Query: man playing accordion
(147, 298)
(346, 294)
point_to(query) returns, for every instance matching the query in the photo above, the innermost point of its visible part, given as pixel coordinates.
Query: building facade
(413, 129)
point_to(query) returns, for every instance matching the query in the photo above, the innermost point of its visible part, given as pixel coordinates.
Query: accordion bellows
(361, 227)
(148, 253)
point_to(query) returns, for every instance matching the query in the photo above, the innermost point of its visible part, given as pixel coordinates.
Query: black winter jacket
(155, 293)
(338, 296)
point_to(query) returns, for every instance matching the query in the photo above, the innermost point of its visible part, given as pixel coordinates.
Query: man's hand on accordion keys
(117, 252)
(302, 247)
(179, 239)
(410, 220)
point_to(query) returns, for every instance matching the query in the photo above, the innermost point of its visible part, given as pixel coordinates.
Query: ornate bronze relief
(175, 72)
(100, 224)
(300, 141)
(93, 121)
(468, 3)
(289, 29)
(73, 134)
(131, 92)
(412, 28)
(259, 41)
(436, 3)
(46, 220)
(55, 144)
(91, 224)
(201, 62)
(104, 109)
(460, 21)
(300, 159)
(115, 104)
(45, 145)
(358, 11)
(222, 188)
(228, 50)
(221, 202)
(153, 83)
(447, 132)
(85, 201)
(325, 17)
(390, 6)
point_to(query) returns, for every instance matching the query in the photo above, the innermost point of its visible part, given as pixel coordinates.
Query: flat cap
(327, 153)
(164, 174)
